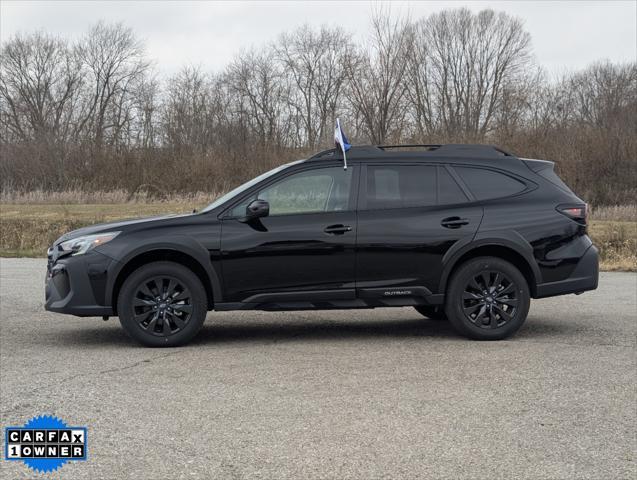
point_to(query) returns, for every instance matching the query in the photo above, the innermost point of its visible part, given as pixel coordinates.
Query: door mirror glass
(256, 209)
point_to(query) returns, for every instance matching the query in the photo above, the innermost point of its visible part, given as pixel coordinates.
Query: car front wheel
(488, 299)
(162, 304)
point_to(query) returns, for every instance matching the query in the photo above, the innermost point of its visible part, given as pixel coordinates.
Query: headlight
(81, 245)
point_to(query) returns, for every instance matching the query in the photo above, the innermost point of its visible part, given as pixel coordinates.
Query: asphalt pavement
(339, 394)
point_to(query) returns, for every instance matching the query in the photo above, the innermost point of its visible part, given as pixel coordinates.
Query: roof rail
(459, 149)
(450, 147)
(414, 145)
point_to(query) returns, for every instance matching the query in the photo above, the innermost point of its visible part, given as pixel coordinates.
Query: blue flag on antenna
(340, 140)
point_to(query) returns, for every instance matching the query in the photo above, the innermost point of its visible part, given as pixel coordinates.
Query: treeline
(94, 114)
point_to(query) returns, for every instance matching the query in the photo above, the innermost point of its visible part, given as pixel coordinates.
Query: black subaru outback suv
(467, 233)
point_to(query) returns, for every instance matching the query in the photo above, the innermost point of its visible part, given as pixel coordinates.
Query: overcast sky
(567, 35)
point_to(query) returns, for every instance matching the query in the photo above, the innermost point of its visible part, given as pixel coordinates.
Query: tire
(162, 304)
(432, 312)
(481, 316)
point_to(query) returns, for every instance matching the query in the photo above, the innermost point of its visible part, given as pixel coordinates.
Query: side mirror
(256, 209)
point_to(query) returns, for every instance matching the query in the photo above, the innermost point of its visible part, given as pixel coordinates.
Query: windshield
(242, 188)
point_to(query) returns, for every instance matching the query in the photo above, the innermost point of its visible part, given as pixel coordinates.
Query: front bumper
(585, 277)
(77, 285)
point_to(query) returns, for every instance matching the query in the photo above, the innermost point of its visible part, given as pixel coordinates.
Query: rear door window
(486, 184)
(400, 186)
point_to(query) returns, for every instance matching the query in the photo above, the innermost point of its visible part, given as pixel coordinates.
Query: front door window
(312, 191)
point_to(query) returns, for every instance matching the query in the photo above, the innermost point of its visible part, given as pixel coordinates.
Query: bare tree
(315, 64)
(255, 81)
(146, 102)
(39, 81)
(114, 63)
(520, 104)
(461, 65)
(376, 78)
(605, 92)
(186, 122)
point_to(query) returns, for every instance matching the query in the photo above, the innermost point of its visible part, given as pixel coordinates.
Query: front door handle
(337, 229)
(454, 222)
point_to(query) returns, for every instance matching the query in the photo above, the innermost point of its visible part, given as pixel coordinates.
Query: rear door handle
(454, 222)
(337, 229)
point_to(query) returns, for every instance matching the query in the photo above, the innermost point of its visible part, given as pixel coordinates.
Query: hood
(120, 225)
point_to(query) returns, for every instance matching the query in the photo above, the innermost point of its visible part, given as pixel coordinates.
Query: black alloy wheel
(162, 304)
(488, 298)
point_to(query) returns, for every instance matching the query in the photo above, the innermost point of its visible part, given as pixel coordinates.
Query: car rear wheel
(432, 312)
(162, 304)
(488, 299)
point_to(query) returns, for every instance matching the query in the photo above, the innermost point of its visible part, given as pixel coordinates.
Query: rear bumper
(585, 277)
(76, 285)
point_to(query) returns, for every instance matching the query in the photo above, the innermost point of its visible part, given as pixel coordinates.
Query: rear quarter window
(550, 175)
(486, 184)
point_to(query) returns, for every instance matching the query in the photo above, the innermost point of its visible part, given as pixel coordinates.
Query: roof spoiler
(536, 165)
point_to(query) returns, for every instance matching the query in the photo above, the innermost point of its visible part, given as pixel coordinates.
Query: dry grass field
(27, 228)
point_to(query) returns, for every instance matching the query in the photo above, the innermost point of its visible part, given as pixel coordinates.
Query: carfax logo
(45, 443)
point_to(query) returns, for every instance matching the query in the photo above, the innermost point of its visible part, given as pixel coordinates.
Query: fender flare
(179, 244)
(509, 239)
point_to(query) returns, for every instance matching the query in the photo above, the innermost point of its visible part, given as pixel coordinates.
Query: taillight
(579, 213)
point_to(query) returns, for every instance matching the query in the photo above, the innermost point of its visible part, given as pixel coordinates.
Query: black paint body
(391, 257)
